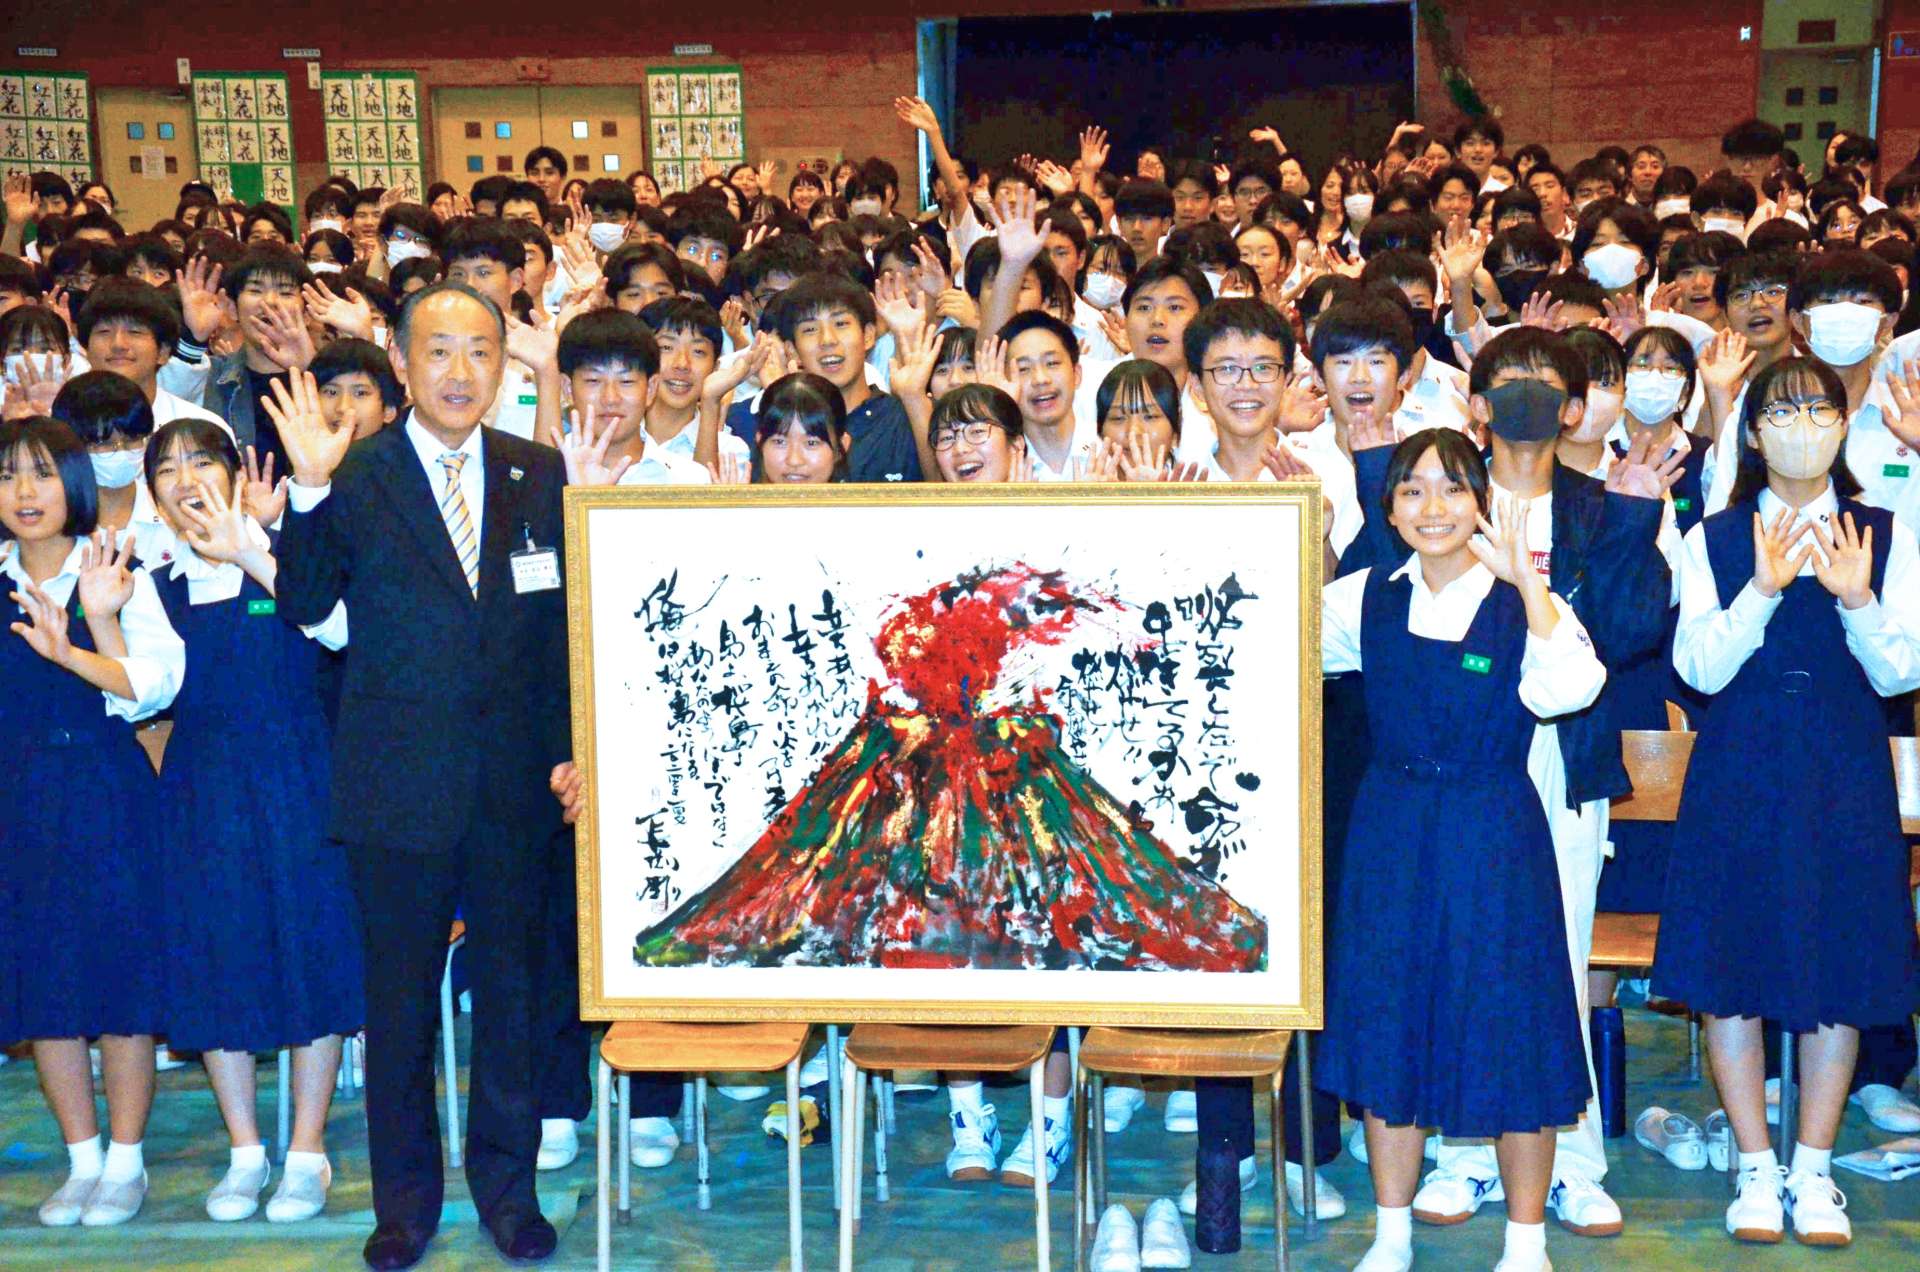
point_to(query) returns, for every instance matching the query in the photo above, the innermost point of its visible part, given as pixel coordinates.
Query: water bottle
(1608, 1030)
(1216, 1221)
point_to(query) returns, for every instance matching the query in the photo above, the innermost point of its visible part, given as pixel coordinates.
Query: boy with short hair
(688, 336)
(488, 193)
(1043, 367)
(264, 288)
(1436, 390)
(358, 390)
(706, 238)
(546, 167)
(638, 274)
(1549, 185)
(1726, 203)
(1143, 213)
(611, 206)
(1593, 179)
(132, 329)
(1752, 149)
(611, 363)
(525, 201)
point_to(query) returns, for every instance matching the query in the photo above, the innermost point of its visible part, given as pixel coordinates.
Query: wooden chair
(1180, 1053)
(979, 1048)
(673, 1047)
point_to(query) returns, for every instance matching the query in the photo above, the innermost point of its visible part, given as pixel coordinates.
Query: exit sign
(692, 50)
(300, 55)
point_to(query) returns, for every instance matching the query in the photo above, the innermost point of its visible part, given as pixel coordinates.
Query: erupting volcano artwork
(869, 753)
(945, 833)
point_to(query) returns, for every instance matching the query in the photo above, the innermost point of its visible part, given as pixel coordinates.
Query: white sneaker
(1513, 1263)
(115, 1203)
(1583, 1207)
(64, 1208)
(1017, 1170)
(1116, 1244)
(1819, 1210)
(1190, 1195)
(1385, 1258)
(1120, 1104)
(976, 1144)
(1758, 1213)
(1163, 1237)
(237, 1195)
(1674, 1136)
(654, 1141)
(1446, 1198)
(748, 1090)
(302, 1194)
(816, 1069)
(1328, 1203)
(559, 1143)
(1719, 1133)
(1888, 1108)
(164, 1059)
(1181, 1116)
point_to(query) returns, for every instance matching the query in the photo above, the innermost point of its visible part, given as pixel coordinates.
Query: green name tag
(260, 607)
(1478, 664)
(1894, 470)
(1682, 505)
(529, 399)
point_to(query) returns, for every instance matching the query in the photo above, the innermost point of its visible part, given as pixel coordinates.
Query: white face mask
(1802, 450)
(326, 223)
(1359, 208)
(605, 235)
(399, 250)
(1843, 334)
(1651, 397)
(1104, 290)
(43, 364)
(324, 267)
(116, 469)
(1603, 411)
(1727, 225)
(1214, 278)
(1665, 208)
(1493, 185)
(1612, 265)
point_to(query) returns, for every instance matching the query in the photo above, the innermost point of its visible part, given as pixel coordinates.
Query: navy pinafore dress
(265, 948)
(1450, 887)
(1787, 893)
(80, 936)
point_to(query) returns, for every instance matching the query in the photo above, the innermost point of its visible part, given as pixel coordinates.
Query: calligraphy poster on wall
(695, 116)
(373, 129)
(1046, 755)
(46, 124)
(244, 136)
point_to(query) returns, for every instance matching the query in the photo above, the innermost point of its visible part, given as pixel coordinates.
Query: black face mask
(1517, 286)
(1526, 410)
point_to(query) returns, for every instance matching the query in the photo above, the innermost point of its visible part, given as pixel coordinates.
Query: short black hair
(608, 338)
(1040, 320)
(531, 235)
(1482, 125)
(1724, 192)
(1459, 457)
(491, 190)
(1207, 243)
(1776, 267)
(41, 434)
(1596, 169)
(194, 433)
(609, 195)
(124, 299)
(1711, 250)
(1369, 322)
(1138, 377)
(1513, 199)
(544, 152)
(981, 403)
(1143, 198)
(1240, 315)
(324, 199)
(1752, 137)
(685, 315)
(1397, 231)
(789, 254)
(1282, 206)
(1676, 346)
(715, 224)
(428, 269)
(1527, 245)
(1841, 274)
(1400, 268)
(1606, 361)
(1195, 170)
(350, 355)
(822, 293)
(102, 405)
(19, 324)
(478, 238)
(1775, 234)
(153, 250)
(631, 257)
(417, 217)
(1546, 168)
(1530, 349)
(18, 275)
(273, 214)
(1632, 220)
(1572, 287)
(266, 260)
(1160, 269)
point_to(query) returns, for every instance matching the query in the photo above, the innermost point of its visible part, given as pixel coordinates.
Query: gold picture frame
(1298, 505)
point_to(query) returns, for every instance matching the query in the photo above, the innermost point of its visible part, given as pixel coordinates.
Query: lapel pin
(515, 474)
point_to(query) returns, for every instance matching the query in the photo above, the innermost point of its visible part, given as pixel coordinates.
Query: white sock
(86, 1159)
(306, 1163)
(553, 1126)
(125, 1163)
(967, 1098)
(1814, 1161)
(1526, 1241)
(1764, 1160)
(1393, 1227)
(1055, 1107)
(247, 1157)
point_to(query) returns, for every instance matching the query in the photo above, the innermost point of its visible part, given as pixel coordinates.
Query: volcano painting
(946, 832)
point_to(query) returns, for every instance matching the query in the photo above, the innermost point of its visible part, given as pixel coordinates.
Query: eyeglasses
(1823, 413)
(1227, 373)
(1748, 295)
(976, 433)
(1670, 373)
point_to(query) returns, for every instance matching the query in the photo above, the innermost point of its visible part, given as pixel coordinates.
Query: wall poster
(243, 130)
(694, 114)
(373, 129)
(46, 124)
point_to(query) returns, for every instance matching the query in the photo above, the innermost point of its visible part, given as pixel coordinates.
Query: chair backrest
(1657, 762)
(1906, 771)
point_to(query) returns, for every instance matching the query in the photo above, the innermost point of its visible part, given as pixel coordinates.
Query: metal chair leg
(886, 1087)
(1693, 1046)
(1099, 1132)
(705, 1190)
(1037, 1083)
(856, 1091)
(1789, 1097)
(1080, 1111)
(285, 1102)
(794, 1255)
(1280, 1256)
(625, 1133)
(686, 1111)
(450, 1065)
(843, 1146)
(1308, 1184)
(603, 1158)
(834, 1083)
(881, 1095)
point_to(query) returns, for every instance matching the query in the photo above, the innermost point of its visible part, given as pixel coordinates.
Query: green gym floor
(1673, 1218)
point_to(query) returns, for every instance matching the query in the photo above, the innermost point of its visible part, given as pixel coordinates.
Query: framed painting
(950, 754)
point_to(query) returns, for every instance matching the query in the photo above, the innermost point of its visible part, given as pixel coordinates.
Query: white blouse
(156, 659)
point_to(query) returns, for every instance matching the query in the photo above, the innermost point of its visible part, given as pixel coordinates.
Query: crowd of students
(1593, 440)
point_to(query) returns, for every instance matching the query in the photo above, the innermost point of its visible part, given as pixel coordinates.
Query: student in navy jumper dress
(89, 652)
(1786, 895)
(258, 907)
(1450, 882)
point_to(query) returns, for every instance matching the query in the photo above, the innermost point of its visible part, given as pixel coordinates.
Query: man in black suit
(452, 742)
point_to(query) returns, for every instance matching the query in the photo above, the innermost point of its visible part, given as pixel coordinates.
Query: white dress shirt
(168, 407)
(209, 582)
(680, 447)
(156, 659)
(1884, 634)
(429, 448)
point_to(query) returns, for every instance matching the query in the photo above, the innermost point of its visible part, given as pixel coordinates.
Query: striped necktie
(453, 510)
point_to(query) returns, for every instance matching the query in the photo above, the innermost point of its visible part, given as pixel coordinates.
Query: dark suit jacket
(1607, 567)
(452, 708)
